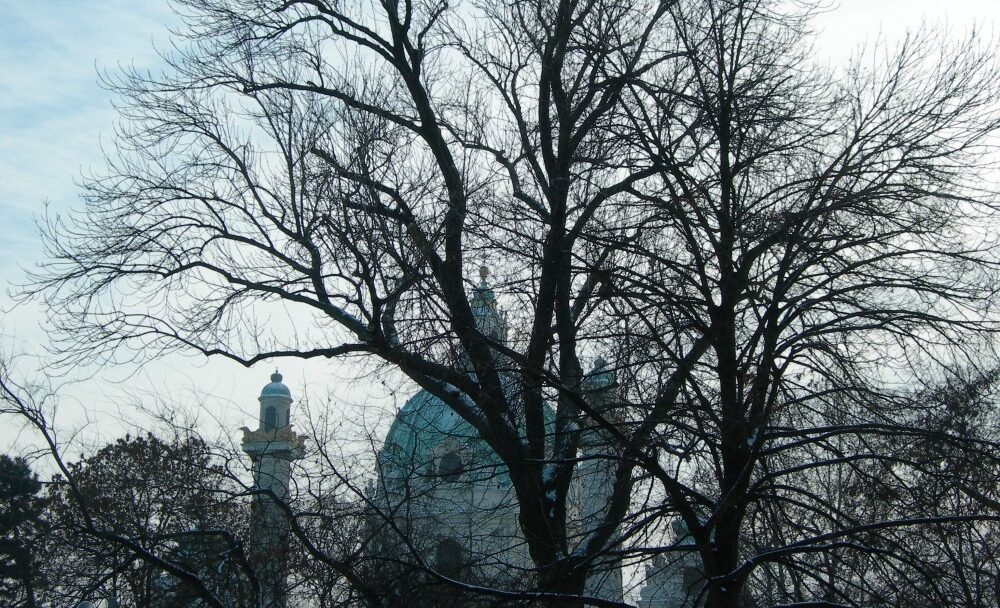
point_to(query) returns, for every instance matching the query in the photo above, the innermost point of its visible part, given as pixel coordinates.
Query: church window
(448, 559)
(451, 466)
(270, 419)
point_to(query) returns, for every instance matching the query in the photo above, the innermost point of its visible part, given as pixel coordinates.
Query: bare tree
(772, 255)
(152, 522)
(822, 240)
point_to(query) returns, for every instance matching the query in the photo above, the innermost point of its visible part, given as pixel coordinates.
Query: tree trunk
(725, 595)
(563, 579)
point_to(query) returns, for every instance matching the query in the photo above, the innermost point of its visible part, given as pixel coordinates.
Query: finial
(599, 363)
(484, 272)
(276, 377)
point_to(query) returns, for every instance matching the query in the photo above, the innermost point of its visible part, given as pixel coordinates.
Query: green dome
(424, 423)
(425, 428)
(276, 388)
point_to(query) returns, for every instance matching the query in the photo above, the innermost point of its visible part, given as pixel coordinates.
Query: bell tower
(272, 449)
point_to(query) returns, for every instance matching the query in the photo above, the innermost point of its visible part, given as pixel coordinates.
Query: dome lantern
(489, 320)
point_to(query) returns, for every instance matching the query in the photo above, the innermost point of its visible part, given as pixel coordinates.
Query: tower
(489, 319)
(596, 473)
(675, 579)
(272, 449)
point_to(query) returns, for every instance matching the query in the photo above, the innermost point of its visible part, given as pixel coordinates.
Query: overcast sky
(54, 118)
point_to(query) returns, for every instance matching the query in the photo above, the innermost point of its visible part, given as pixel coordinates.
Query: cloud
(52, 111)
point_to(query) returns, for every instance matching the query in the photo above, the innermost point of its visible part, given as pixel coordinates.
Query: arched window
(451, 467)
(449, 559)
(270, 419)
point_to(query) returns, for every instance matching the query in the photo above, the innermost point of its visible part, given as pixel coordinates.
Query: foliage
(21, 533)
(168, 498)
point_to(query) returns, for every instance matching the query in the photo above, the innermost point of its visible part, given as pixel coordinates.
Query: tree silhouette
(21, 533)
(776, 259)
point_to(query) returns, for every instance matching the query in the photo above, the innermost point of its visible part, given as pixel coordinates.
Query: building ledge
(282, 441)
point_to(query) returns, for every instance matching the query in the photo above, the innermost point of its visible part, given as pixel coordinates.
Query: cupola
(275, 404)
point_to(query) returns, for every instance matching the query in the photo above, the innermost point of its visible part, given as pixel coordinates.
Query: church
(444, 500)
(441, 500)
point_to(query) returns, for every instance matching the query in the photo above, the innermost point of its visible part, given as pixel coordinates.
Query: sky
(55, 118)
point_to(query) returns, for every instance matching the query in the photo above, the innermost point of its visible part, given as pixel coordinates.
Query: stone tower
(596, 474)
(675, 579)
(272, 448)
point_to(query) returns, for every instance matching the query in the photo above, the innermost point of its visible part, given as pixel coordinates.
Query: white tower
(272, 448)
(597, 477)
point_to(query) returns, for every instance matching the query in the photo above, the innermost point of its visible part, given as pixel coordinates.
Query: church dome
(420, 424)
(429, 439)
(425, 430)
(446, 487)
(276, 388)
(420, 429)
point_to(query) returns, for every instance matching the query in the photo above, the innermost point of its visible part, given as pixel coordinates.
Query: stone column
(272, 449)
